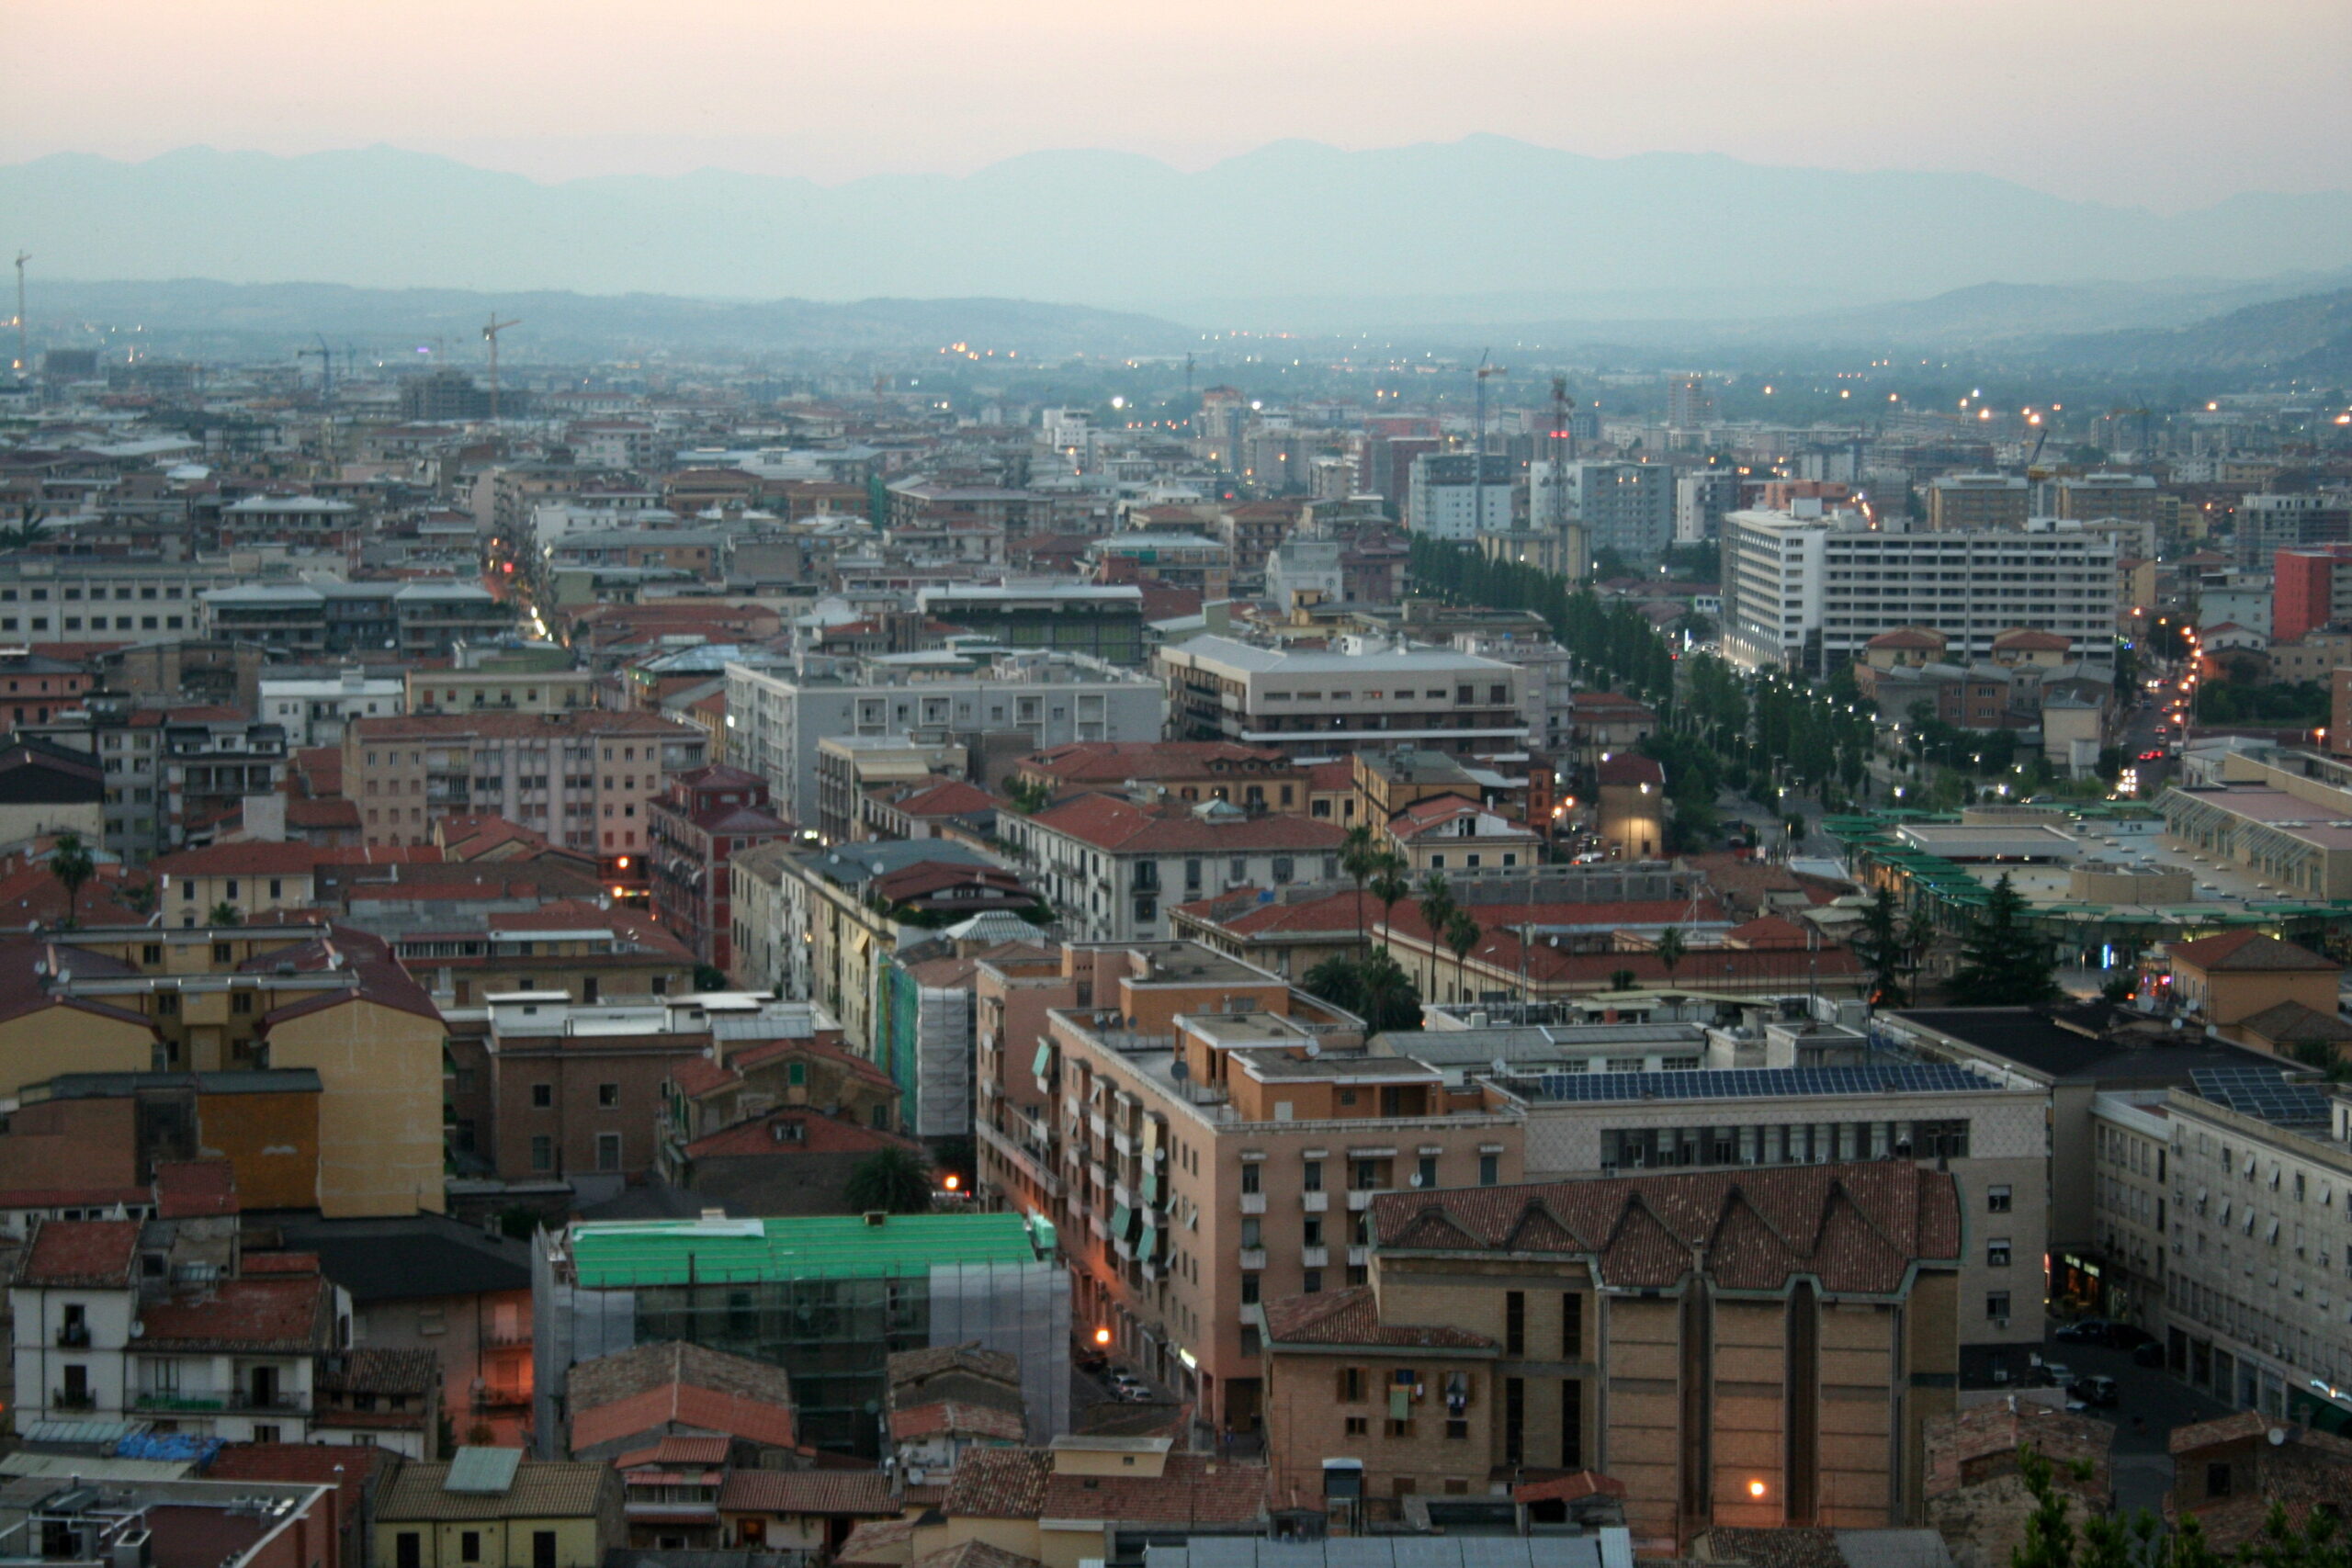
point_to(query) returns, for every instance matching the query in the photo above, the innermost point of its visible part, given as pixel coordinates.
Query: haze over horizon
(2171, 105)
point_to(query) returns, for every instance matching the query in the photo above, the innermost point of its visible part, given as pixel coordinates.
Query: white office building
(1703, 498)
(1019, 702)
(1807, 591)
(1366, 691)
(1459, 495)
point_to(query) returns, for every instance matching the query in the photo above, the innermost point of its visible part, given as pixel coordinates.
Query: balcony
(1253, 1258)
(185, 1400)
(72, 1399)
(73, 1337)
(1360, 1198)
(501, 1397)
(1358, 1257)
(1314, 1203)
(1313, 1256)
(283, 1403)
(1253, 1203)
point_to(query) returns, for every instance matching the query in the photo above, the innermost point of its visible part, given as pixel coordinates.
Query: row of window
(98, 623)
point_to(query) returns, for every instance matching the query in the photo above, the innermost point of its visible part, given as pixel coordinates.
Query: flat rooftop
(1754, 1083)
(828, 1246)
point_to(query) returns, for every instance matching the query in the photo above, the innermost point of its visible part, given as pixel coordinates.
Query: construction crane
(490, 334)
(325, 357)
(1478, 471)
(24, 355)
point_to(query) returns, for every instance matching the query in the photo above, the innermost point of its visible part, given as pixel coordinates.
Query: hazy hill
(1561, 234)
(2309, 338)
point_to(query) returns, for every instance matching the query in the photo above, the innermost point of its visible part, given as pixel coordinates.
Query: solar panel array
(1762, 1083)
(2264, 1093)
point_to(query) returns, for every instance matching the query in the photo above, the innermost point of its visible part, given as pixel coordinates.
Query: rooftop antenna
(24, 357)
(491, 333)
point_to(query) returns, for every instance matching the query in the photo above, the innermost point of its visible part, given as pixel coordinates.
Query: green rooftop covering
(834, 1247)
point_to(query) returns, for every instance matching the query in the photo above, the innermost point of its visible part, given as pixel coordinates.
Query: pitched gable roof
(2246, 952)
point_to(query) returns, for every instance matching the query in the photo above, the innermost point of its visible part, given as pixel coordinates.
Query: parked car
(2152, 1354)
(2053, 1374)
(2128, 1335)
(2095, 1390)
(2086, 1331)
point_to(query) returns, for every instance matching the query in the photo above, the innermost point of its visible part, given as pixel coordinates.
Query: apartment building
(72, 599)
(1727, 1348)
(2131, 1206)
(324, 618)
(708, 815)
(1988, 1135)
(1627, 507)
(1015, 704)
(1809, 592)
(2258, 1284)
(1369, 691)
(159, 1321)
(1459, 495)
(1206, 1138)
(1112, 868)
(1256, 778)
(1100, 620)
(1957, 501)
(583, 778)
(329, 998)
(575, 1089)
(477, 684)
(313, 709)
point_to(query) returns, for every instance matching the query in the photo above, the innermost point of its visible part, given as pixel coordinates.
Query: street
(2152, 1402)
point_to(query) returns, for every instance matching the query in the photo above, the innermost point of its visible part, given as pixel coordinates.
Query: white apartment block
(1459, 495)
(1365, 693)
(313, 711)
(2258, 1294)
(775, 718)
(1628, 507)
(1809, 592)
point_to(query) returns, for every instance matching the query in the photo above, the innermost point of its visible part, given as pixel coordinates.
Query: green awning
(1119, 1223)
(1151, 1189)
(1044, 1059)
(1146, 1240)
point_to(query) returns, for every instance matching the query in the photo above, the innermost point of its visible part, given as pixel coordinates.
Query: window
(470, 1546)
(1514, 1322)
(1571, 1327)
(1996, 1199)
(1996, 1305)
(609, 1096)
(1352, 1386)
(796, 1075)
(1996, 1253)
(407, 1550)
(1514, 1420)
(1357, 1427)
(1425, 1173)
(1311, 1231)
(1250, 1181)
(1489, 1170)
(542, 1096)
(542, 1152)
(1250, 1340)
(1250, 1290)
(1311, 1282)
(2217, 1481)
(1571, 1422)
(240, 1001)
(1311, 1176)
(1252, 1237)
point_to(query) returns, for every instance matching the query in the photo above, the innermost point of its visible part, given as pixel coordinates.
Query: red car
(2157, 756)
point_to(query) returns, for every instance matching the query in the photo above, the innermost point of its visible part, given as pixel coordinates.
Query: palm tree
(1388, 884)
(894, 1180)
(1435, 901)
(1360, 858)
(1462, 934)
(225, 914)
(1670, 949)
(72, 865)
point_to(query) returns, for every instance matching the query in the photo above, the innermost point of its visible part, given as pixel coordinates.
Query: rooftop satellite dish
(2278, 1437)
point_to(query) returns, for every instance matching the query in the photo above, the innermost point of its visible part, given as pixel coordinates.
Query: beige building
(494, 1508)
(1209, 1137)
(2131, 1200)
(328, 997)
(497, 690)
(1754, 1348)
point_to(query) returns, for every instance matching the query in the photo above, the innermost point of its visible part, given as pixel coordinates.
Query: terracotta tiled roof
(285, 1314)
(1353, 1318)
(1855, 1228)
(683, 1453)
(2027, 637)
(1000, 1483)
(973, 1555)
(1958, 1445)
(1338, 912)
(835, 1492)
(1194, 1489)
(1626, 768)
(2235, 1427)
(953, 799)
(1768, 930)
(185, 1189)
(543, 1489)
(818, 1134)
(650, 1386)
(80, 1252)
(876, 1543)
(1908, 636)
(1121, 827)
(956, 1419)
(380, 1371)
(2246, 952)
(1568, 1488)
(2293, 1022)
(1115, 762)
(913, 1366)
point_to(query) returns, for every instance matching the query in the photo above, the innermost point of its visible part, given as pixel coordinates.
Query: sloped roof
(80, 1252)
(645, 1386)
(2294, 1023)
(876, 1543)
(281, 1314)
(2246, 952)
(837, 1491)
(542, 1489)
(1855, 1228)
(1627, 768)
(1353, 1318)
(957, 1419)
(1000, 1483)
(1192, 1489)
(1121, 827)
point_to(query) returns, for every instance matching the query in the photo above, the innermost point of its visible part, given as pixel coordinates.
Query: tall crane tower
(1563, 443)
(24, 355)
(325, 357)
(489, 333)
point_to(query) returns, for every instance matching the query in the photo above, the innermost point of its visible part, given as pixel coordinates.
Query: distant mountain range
(2306, 338)
(1293, 234)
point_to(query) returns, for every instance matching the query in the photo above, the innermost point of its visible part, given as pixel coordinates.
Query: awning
(1044, 1059)
(1119, 1223)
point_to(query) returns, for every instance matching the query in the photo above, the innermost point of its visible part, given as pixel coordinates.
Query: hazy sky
(2169, 103)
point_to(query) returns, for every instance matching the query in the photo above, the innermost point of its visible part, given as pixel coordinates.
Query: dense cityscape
(685, 929)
